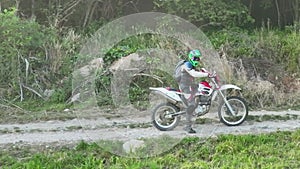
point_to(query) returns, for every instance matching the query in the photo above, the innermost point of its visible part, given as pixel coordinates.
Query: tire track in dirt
(76, 130)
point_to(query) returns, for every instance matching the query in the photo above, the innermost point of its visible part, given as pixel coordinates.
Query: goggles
(196, 58)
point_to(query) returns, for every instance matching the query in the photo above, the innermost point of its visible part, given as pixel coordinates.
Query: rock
(48, 93)
(132, 145)
(123, 70)
(126, 63)
(87, 70)
(75, 98)
(82, 78)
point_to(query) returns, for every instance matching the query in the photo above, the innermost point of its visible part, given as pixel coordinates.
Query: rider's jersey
(188, 73)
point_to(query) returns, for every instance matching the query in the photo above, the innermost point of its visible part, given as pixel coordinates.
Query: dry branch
(152, 76)
(32, 90)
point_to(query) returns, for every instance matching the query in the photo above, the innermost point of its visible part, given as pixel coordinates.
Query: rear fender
(171, 95)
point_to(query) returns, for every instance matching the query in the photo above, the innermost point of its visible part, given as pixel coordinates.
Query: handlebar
(214, 78)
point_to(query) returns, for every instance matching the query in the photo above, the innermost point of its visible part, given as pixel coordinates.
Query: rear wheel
(239, 114)
(162, 116)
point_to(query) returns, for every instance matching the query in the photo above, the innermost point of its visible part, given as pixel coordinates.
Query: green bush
(279, 46)
(290, 51)
(236, 42)
(35, 58)
(262, 52)
(263, 55)
(21, 43)
(139, 88)
(207, 13)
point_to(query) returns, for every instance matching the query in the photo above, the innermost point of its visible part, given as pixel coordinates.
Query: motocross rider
(188, 86)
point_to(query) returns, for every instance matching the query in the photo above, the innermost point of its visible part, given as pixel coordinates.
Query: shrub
(264, 62)
(20, 49)
(218, 13)
(34, 58)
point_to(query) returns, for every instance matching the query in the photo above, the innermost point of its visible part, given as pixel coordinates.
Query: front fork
(226, 103)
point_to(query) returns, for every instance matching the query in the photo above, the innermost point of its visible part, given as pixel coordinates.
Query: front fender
(229, 86)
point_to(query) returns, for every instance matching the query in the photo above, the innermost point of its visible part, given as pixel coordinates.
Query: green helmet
(194, 57)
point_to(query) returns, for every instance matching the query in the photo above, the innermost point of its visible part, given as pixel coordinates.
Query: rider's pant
(189, 99)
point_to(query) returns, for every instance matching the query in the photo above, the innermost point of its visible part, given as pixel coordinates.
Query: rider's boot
(189, 129)
(189, 114)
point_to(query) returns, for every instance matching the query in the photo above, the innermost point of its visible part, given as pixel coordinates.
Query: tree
(280, 12)
(227, 13)
(296, 9)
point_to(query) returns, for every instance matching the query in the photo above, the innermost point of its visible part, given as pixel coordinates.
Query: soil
(134, 127)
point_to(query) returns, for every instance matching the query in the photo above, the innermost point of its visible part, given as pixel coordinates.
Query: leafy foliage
(21, 47)
(279, 46)
(222, 13)
(34, 58)
(139, 87)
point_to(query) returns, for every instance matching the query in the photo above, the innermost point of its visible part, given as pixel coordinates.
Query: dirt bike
(232, 110)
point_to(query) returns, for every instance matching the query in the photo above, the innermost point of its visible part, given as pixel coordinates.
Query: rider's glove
(211, 75)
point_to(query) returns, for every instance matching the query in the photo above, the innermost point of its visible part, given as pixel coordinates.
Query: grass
(21, 116)
(35, 105)
(297, 107)
(267, 117)
(31, 111)
(274, 150)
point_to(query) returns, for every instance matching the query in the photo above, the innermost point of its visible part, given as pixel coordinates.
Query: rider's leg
(189, 114)
(191, 106)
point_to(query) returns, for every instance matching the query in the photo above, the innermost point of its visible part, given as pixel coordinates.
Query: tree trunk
(278, 14)
(250, 7)
(32, 10)
(107, 10)
(296, 12)
(88, 12)
(92, 11)
(17, 6)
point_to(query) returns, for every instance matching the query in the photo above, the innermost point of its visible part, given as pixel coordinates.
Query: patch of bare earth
(129, 126)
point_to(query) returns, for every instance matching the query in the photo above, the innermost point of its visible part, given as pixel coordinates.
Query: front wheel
(162, 116)
(239, 114)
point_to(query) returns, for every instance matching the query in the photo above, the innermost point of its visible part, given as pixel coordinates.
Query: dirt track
(129, 128)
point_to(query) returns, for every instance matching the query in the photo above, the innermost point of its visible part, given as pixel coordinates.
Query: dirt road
(129, 128)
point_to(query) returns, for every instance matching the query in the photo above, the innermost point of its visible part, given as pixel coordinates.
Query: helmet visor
(196, 58)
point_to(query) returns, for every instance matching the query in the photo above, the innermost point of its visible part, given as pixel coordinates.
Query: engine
(203, 105)
(204, 100)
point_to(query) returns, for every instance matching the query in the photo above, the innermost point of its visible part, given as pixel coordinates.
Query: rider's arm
(193, 72)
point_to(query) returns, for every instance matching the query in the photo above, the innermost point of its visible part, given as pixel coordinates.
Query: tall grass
(265, 63)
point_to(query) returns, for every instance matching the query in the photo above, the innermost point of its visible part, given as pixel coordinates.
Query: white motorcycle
(232, 110)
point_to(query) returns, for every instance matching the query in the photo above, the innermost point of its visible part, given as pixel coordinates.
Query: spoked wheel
(239, 114)
(162, 116)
